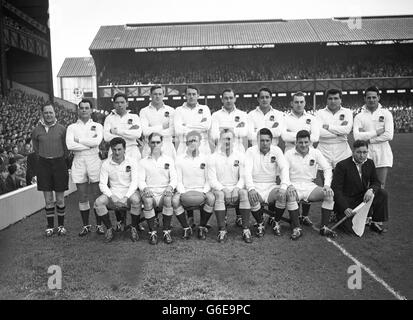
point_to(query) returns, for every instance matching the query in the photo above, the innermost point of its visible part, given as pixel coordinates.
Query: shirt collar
(358, 164)
(115, 163)
(87, 122)
(185, 105)
(293, 114)
(153, 107)
(116, 114)
(41, 121)
(224, 110)
(258, 109)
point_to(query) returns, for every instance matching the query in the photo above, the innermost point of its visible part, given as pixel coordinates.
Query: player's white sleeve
(106, 130)
(388, 130)
(180, 129)
(142, 176)
(315, 131)
(252, 133)
(212, 174)
(325, 166)
(286, 135)
(343, 129)
(249, 165)
(70, 141)
(361, 135)
(203, 125)
(284, 170)
(277, 131)
(103, 181)
(134, 180)
(242, 131)
(173, 177)
(132, 133)
(94, 141)
(214, 127)
(241, 181)
(179, 183)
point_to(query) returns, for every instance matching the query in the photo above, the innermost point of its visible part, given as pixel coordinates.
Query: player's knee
(148, 203)
(210, 199)
(60, 202)
(243, 194)
(135, 199)
(219, 195)
(167, 202)
(176, 201)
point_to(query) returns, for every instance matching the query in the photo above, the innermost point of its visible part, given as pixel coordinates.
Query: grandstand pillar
(3, 60)
(49, 66)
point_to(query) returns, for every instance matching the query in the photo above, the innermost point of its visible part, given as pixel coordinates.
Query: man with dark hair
(263, 163)
(193, 189)
(229, 117)
(226, 171)
(375, 125)
(303, 162)
(157, 182)
(118, 182)
(265, 116)
(158, 118)
(83, 138)
(355, 181)
(12, 182)
(121, 123)
(336, 124)
(49, 143)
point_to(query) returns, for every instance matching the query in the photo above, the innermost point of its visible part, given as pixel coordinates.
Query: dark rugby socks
(60, 215)
(50, 217)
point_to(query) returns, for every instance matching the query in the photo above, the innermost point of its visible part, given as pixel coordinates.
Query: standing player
(193, 187)
(296, 120)
(118, 182)
(375, 125)
(158, 118)
(229, 117)
(157, 182)
(265, 116)
(49, 143)
(83, 138)
(192, 116)
(121, 123)
(303, 161)
(226, 171)
(263, 163)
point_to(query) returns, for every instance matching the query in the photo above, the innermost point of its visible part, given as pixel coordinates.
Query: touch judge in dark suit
(355, 180)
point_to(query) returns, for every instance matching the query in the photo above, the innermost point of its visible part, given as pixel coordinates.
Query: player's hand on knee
(168, 191)
(147, 193)
(328, 192)
(282, 195)
(114, 198)
(234, 195)
(253, 196)
(291, 193)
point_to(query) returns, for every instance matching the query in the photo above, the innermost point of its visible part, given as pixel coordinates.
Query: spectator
(12, 181)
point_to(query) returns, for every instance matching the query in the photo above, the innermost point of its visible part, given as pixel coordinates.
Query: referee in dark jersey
(49, 143)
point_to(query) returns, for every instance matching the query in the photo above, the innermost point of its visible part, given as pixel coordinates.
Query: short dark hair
(194, 133)
(360, 143)
(191, 87)
(302, 134)
(228, 90)
(372, 89)
(118, 140)
(297, 94)
(120, 94)
(86, 101)
(266, 90)
(226, 130)
(265, 132)
(333, 91)
(157, 86)
(155, 134)
(12, 168)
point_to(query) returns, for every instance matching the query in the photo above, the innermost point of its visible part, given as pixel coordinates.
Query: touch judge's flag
(360, 217)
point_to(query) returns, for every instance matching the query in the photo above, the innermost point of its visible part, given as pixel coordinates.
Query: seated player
(121, 173)
(303, 162)
(157, 182)
(193, 189)
(263, 163)
(226, 177)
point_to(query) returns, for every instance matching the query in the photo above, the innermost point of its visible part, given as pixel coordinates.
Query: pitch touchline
(371, 273)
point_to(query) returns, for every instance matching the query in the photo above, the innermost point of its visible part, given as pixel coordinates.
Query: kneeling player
(226, 177)
(303, 161)
(121, 174)
(157, 182)
(193, 187)
(263, 163)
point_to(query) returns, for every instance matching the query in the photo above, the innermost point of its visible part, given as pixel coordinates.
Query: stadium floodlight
(354, 92)
(390, 91)
(282, 94)
(248, 95)
(211, 97)
(177, 98)
(140, 50)
(401, 91)
(344, 92)
(319, 93)
(201, 97)
(140, 99)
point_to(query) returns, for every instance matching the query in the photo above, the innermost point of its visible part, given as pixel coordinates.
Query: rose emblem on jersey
(202, 166)
(381, 118)
(130, 121)
(93, 128)
(167, 166)
(200, 111)
(128, 168)
(272, 118)
(236, 119)
(236, 163)
(312, 162)
(166, 114)
(272, 159)
(341, 116)
(308, 121)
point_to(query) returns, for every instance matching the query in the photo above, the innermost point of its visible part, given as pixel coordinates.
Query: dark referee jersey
(50, 143)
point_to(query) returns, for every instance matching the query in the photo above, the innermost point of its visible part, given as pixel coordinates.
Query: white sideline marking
(371, 273)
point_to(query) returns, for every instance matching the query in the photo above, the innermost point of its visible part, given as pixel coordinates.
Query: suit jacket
(348, 188)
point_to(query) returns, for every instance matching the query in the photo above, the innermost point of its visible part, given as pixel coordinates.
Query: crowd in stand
(20, 113)
(259, 66)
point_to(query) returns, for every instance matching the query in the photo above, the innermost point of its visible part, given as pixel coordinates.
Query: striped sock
(60, 215)
(50, 217)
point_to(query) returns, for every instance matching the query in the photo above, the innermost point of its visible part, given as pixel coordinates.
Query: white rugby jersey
(157, 174)
(90, 135)
(114, 120)
(369, 122)
(192, 173)
(260, 168)
(304, 168)
(293, 124)
(152, 120)
(224, 119)
(337, 129)
(123, 178)
(226, 171)
(273, 120)
(188, 119)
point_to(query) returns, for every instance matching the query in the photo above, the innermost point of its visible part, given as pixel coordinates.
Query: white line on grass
(371, 273)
